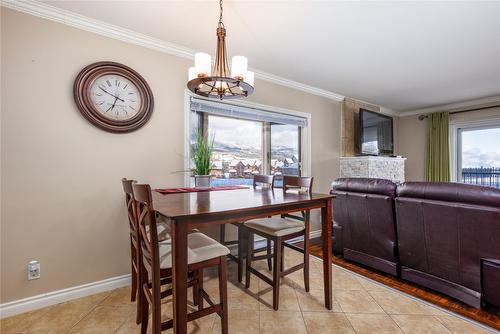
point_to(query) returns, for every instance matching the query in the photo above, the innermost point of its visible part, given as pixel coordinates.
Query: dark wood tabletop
(182, 205)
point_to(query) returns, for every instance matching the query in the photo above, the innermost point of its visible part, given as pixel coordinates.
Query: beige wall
(412, 138)
(411, 145)
(62, 201)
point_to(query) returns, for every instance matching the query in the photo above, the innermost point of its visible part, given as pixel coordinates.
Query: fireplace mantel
(374, 167)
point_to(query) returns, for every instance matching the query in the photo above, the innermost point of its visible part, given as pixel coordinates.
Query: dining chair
(259, 180)
(279, 230)
(163, 234)
(156, 264)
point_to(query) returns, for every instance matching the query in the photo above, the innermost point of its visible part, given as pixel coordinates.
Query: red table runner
(193, 189)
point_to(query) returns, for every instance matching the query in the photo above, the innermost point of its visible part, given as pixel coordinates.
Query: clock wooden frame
(82, 94)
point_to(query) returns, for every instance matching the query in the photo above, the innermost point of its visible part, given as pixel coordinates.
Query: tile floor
(360, 306)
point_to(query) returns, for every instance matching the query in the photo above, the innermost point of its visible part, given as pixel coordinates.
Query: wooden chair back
(263, 180)
(301, 183)
(131, 209)
(148, 235)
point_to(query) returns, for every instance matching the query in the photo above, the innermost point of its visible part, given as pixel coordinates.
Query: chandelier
(219, 83)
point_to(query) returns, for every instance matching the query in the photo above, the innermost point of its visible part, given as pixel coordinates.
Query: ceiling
(400, 55)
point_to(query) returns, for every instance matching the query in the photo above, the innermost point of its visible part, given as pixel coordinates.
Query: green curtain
(438, 148)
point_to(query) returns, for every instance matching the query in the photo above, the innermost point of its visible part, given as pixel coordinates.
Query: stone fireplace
(374, 167)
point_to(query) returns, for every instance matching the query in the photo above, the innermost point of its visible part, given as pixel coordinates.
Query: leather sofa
(444, 236)
(444, 231)
(364, 213)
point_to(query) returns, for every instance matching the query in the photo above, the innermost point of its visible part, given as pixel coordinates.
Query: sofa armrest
(490, 281)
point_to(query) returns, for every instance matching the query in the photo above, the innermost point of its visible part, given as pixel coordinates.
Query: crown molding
(69, 18)
(477, 103)
(297, 85)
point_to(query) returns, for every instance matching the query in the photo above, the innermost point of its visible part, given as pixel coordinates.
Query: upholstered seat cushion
(163, 229)
(275, 226)
(200, 248)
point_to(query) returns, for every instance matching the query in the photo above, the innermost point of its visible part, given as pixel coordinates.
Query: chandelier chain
(221, 24)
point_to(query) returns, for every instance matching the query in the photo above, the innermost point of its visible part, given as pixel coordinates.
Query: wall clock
(113, 97)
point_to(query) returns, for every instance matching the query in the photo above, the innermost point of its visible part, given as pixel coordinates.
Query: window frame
(304, 134)
(455, 134)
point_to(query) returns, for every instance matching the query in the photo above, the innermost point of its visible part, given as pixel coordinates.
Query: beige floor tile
(282, 322)
(199, 326)
(130, 327)
(396, 303)
(459, 326)
(373, 323)
(296, 280)
(61, 318)
(314, 301)
(343, 280)
(19, 323)
(118, 297)
(287, 298)
(240, 298)
(102, 320)
(325, 323)
(246, 322)
(371, 286)
(357, 301)
(420, 324)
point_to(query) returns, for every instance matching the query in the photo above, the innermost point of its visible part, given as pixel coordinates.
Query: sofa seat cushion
(200, 248)
(275, 226)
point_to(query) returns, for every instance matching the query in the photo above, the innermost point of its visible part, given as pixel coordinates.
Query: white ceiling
(401, 55)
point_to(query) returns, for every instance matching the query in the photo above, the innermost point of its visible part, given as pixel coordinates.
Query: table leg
(179, 276)
(326, 236)
(242, 250)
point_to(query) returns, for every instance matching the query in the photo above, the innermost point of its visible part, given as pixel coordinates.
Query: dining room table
(188, 210)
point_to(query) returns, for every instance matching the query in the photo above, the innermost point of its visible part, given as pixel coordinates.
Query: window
(478, 154)
(248, 141)
(285, 151)
(238, 152)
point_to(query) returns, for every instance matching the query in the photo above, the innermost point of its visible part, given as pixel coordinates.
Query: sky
(244, 133)
(481, 148)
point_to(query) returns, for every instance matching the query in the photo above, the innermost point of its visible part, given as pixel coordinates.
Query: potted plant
(201, 154)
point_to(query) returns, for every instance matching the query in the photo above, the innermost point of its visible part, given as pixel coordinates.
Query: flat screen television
(376, 137)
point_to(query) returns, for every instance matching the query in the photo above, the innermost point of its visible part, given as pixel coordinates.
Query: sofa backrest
(365, 186)
(444, 229)
(451, 192)
(365, 210)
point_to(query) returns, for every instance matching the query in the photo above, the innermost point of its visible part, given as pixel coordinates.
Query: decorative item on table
(201, 155)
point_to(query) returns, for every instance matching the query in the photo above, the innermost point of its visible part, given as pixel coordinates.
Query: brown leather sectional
(444, 236)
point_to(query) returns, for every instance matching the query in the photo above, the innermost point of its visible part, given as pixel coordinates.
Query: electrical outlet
(33, 270)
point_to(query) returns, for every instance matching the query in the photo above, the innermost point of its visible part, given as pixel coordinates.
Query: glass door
(285, 151)
(479, 156)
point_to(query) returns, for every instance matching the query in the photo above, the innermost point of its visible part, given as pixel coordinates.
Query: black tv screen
(376, 133)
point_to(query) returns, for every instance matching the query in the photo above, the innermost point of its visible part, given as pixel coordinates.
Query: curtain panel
(438, 148)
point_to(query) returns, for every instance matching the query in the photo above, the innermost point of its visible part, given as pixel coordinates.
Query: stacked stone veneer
(374, 167)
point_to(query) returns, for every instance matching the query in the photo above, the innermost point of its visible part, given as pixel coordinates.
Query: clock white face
(115, 97)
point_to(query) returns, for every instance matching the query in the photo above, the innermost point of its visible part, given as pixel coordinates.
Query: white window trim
(305, 137)
(454, 140)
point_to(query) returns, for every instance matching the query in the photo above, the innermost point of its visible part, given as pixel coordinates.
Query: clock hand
(112, 106)
(116, 97)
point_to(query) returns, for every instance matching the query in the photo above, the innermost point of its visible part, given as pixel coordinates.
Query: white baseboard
(60, 296)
